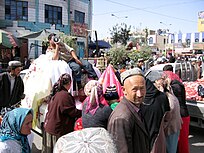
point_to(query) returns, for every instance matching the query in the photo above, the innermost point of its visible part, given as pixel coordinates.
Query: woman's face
(27, 125)
(68, 86)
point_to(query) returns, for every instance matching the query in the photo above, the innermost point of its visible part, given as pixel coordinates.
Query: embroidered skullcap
(128, 73)
(94, 140)
(111, 93)
(14, 64)
(140, 60)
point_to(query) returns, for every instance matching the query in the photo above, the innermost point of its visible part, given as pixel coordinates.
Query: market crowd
(122, 112)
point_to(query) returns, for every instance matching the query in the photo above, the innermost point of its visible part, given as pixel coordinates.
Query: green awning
(7, 40)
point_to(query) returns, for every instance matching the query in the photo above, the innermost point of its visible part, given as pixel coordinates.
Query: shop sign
(78, 29)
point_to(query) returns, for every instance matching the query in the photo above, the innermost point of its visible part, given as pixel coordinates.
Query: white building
(21, 17)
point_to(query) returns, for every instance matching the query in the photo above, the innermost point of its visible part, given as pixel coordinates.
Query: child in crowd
(111, 96)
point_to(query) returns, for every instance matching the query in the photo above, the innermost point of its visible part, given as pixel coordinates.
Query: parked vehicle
(188, 75)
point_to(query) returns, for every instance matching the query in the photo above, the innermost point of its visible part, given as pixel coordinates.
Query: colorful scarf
(11, 126)
(172, 76)
(93, 91)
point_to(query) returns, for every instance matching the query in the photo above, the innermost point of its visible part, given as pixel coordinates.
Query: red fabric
(78, 124)
(172, 76)
(183, 146)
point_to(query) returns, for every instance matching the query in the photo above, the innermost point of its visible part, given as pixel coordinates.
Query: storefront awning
(41, 35)
(7, 40)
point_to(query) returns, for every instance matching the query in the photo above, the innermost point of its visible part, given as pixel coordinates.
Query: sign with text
(78, 29)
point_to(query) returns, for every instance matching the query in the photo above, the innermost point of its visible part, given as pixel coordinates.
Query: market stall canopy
(101, 45)
(7, 40)
(40, 35)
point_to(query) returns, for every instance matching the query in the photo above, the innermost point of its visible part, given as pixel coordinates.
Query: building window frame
(53, 14)
(16, 10)
(79, 17)
(188, 42)
(150, 40)
(180, 41)
(196, 40)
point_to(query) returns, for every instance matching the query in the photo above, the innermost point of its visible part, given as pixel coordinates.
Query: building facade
(177, 43)
(21, 17)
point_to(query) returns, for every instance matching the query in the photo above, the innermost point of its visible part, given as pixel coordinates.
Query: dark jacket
(156, 103)
(7, 98)
(127, 129)
(180, 93)
(99, 119)
(61, 114)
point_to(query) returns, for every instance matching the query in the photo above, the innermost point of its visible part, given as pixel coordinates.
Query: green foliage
(120, 34)
(117, 55)
(69, 40)
(145, 53)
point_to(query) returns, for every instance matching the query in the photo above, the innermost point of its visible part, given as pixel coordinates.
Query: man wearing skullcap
(126, 122)
(11, 85)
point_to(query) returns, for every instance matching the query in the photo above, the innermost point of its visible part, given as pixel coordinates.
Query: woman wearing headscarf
(180, 92)
(155, 106)
(61, 115)
(15, 127)
(173, 126)
(95, 113)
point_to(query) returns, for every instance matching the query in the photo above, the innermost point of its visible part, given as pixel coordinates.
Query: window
(79, 17)
(172, 40)
(188, 42)
(203, 40)
(16, 10)
(150, 40)
(180, 41)
(196, 40)
(53, 14)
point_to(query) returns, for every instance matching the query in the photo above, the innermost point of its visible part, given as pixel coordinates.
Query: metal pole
(87, 45)
(97, 49)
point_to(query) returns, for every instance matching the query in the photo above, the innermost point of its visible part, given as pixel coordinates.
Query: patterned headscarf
(11, 127)
(94, 92)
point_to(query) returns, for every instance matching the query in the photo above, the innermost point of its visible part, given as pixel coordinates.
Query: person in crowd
(111, 95)
(11, 85)
(15, 127)
(153, 110)
(27, 62)
(61, 114)
(77, 66)
(180, 92)
(94, 140)
(125, 122)
(140, 64)
(94, 112)
(173, 127)
(171, 58)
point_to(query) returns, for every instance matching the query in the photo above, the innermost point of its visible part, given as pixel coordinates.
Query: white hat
(93, 140)
(14, 64)
(128, 73)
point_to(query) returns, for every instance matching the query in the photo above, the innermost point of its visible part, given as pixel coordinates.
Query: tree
(145, 53)
(120, 34)
(69, 40)
(117, 56)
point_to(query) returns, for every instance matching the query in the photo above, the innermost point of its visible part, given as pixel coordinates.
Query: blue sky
(181, 14)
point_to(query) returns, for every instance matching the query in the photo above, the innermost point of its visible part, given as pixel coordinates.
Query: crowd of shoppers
(149, 116)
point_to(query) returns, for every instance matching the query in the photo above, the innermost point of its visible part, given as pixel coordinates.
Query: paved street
(196, 141)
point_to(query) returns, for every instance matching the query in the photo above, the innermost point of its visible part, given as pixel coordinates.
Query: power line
(160, 6)
(151, 12)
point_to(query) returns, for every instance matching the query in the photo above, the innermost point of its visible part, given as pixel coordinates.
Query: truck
(188, 74)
